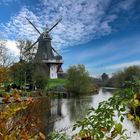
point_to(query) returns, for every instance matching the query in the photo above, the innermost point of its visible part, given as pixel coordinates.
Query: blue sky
(104, 35)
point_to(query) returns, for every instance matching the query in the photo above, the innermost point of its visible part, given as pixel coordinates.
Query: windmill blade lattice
(33, 25)
(54, 25)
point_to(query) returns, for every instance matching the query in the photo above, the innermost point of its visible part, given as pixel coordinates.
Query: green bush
(78, 80)
(128, 74)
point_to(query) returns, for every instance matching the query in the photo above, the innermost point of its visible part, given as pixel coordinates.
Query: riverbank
(74, 109)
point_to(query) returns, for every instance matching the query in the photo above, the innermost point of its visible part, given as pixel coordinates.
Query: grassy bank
(55, 82)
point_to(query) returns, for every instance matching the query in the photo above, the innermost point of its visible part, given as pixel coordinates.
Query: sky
(104, 35)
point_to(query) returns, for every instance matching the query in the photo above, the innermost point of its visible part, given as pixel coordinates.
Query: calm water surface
(66, 112)
(71, 110)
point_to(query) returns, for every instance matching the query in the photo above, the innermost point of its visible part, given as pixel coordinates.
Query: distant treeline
(120, 78)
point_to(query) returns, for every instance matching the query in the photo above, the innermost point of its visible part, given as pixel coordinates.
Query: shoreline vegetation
(98, 124)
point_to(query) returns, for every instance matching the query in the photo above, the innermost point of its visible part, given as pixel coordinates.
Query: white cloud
(126, 4)
(112, 52)
(123, 65)
(82, 21)
(19, 28)
(11, 45)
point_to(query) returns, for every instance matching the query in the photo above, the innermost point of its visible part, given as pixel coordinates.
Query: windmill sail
(45, 52)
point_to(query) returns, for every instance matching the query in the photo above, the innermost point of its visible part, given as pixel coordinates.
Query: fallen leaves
(13, 124)
(42, 136)
(6, 98)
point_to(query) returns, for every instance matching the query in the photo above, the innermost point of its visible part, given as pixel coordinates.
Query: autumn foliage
(4, 74)
(1, 77)
(16, 119)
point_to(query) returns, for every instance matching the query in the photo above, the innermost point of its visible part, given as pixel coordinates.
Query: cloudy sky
(104, 35)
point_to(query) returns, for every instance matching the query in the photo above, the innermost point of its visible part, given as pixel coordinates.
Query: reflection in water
(59, 111)
(44, 110)
(65, 112)
(75, 109)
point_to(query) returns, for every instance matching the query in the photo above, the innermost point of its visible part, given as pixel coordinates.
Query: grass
(54, 82)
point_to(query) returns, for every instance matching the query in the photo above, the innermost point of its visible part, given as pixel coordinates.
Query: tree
(29, 72)
(23, 46)
(128, 74)
(6, 58)
(22, 72)
(104, 77)
(40, 80)
(78, 79)
(4, 75)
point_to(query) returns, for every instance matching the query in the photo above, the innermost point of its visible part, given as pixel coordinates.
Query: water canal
(66, 112)
(61, 114)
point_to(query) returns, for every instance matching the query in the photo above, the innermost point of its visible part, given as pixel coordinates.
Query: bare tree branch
(23, 45)
(6, 58)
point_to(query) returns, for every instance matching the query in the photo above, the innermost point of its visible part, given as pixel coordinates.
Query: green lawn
(54, 82)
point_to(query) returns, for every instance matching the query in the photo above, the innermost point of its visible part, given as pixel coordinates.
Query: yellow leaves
(130, 116)
(136, 102)
(76, 137)
(137, 119)
(6, 137)
(108, 138)
(135, 96)
(14, 126)
(118, 130)
(17, 109)
(42, 136)
(17, 98)
(118, 127)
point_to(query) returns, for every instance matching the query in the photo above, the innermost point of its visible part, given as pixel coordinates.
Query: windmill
(46, 54)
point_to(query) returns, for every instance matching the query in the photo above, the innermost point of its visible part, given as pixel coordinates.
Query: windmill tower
(46, 54)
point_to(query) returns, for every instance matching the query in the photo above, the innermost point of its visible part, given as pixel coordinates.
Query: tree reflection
(78, 107)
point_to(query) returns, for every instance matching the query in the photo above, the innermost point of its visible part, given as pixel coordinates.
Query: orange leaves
(30, 100)
(6, 98)
(104, 129)
(17, 120)
(24, 135)
(17, 97)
